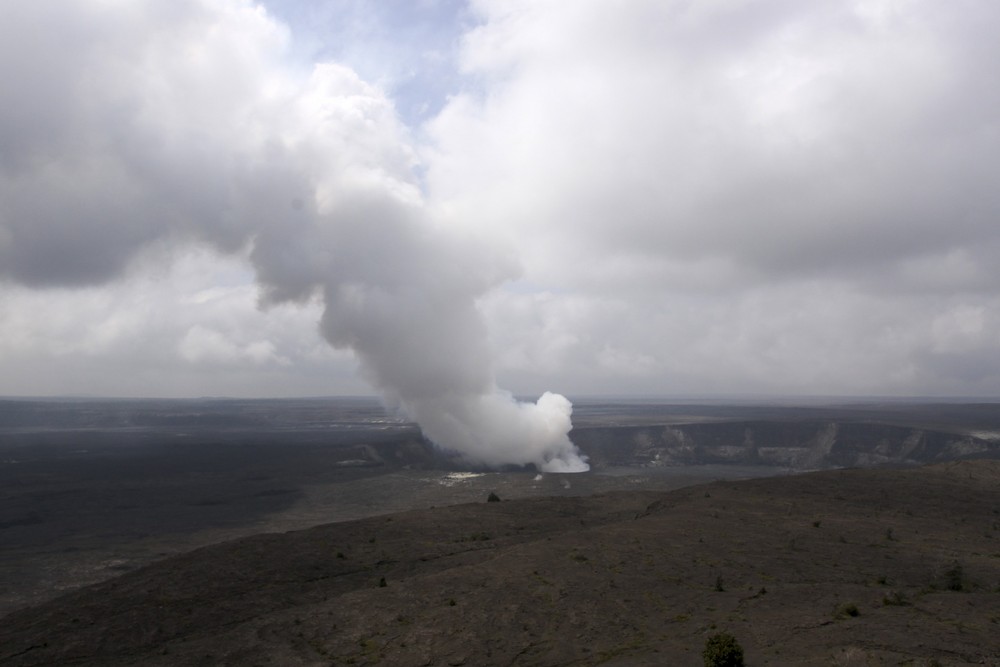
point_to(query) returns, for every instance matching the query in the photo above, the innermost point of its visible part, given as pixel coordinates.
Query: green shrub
(722, 650)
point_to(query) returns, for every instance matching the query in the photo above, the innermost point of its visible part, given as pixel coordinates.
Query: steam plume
(123, 141)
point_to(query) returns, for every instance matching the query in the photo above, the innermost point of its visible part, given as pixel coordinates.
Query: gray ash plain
(90, 490)
(93, 488)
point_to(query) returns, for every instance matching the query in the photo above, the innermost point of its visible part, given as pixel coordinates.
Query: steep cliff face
(809, 444)
(812, 444)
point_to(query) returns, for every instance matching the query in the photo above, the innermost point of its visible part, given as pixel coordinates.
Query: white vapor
(137, 128)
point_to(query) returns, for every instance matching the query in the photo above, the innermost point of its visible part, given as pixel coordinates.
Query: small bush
(847, 610)
(475, 537)
(722, 650)
(954, 577)
(493, 497)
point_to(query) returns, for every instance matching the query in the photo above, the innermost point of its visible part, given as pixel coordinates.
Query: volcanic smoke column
(427, 352)
(120, 141)
(400, 290)
(422, 341)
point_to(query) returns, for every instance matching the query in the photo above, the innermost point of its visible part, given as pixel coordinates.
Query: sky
(640, 198)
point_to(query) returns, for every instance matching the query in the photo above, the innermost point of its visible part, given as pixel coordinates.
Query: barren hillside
(851, 567)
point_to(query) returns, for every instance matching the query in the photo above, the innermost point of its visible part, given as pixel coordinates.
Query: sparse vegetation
(895, 599)
(475, 537)
(722, 650)
(648, 574)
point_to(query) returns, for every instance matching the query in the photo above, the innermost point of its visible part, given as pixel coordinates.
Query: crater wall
(810, 444)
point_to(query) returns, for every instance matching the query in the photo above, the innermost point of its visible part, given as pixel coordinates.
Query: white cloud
(769, 196)
(712, 197)
(786, 137)
(193, 327)
(202, 345)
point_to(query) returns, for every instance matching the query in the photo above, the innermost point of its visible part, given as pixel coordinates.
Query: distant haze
(446, 201)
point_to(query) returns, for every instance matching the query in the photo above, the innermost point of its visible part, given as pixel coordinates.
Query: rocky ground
(845, 567)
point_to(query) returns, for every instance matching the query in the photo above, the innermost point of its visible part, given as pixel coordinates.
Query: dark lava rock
(619, 579)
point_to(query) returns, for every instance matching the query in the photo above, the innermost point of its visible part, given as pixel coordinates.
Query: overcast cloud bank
(737, 197)
(648, 198)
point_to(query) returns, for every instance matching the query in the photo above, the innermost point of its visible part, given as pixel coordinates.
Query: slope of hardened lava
(846, 567)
